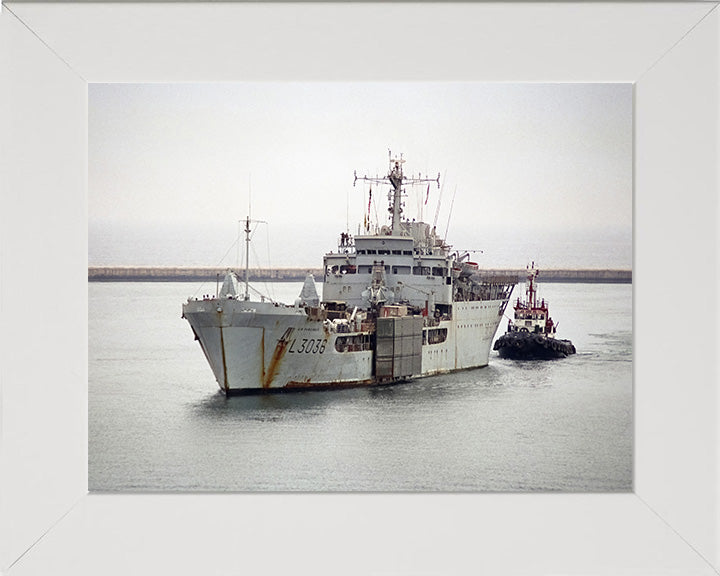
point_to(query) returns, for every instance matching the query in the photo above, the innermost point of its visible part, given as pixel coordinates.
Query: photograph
(360, 287)
(322, 274)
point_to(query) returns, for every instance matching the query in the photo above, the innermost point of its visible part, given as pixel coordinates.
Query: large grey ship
(397, 303)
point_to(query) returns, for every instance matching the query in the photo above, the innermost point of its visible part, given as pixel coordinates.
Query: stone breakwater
(185, 274)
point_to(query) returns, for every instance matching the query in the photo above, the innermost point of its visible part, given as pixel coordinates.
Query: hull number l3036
(308, 346)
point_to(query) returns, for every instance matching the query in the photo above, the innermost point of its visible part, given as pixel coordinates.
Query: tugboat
(531, 333)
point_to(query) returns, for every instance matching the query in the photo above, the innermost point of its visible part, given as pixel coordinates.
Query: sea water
(158, 422)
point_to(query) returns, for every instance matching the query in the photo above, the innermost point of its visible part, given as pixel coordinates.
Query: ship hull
(526, 346)
(261, 347)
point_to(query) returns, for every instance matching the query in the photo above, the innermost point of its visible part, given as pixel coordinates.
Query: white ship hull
(256, 347)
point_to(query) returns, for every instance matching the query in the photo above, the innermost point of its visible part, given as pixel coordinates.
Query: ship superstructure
(397, 303)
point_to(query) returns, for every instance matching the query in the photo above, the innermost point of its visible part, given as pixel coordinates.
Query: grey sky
(555, 159)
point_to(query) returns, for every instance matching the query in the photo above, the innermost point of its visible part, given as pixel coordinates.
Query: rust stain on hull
(226, 385)
(307, 383)
(278, 354)
(299, 386)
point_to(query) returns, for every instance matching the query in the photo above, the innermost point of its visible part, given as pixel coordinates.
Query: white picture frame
(49, 523)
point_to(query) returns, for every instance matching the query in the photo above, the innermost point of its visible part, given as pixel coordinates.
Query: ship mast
(397, 179)
(247, 258)
(248, 230)
(531, 290)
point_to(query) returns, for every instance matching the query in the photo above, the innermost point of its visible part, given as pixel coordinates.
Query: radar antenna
(397, 180)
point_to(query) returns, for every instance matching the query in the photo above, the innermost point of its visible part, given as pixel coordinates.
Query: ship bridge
(414, 271)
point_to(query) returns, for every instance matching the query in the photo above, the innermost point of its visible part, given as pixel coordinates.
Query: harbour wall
(185, 274)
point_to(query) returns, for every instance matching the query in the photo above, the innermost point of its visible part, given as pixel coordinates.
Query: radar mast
(397, 180)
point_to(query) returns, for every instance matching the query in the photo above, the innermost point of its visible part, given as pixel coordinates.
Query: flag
(369, 200)
(428, 194)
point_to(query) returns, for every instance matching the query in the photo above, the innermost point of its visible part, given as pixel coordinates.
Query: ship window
(439, 272)
(361, 251)
(383, 251)
(348, 269)
(396, 252)
(436, 335)
(356, 343)
(421, 270)
(372, 251)
(407, 252)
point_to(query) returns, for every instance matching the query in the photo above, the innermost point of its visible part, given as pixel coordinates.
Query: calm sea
(157, 421)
